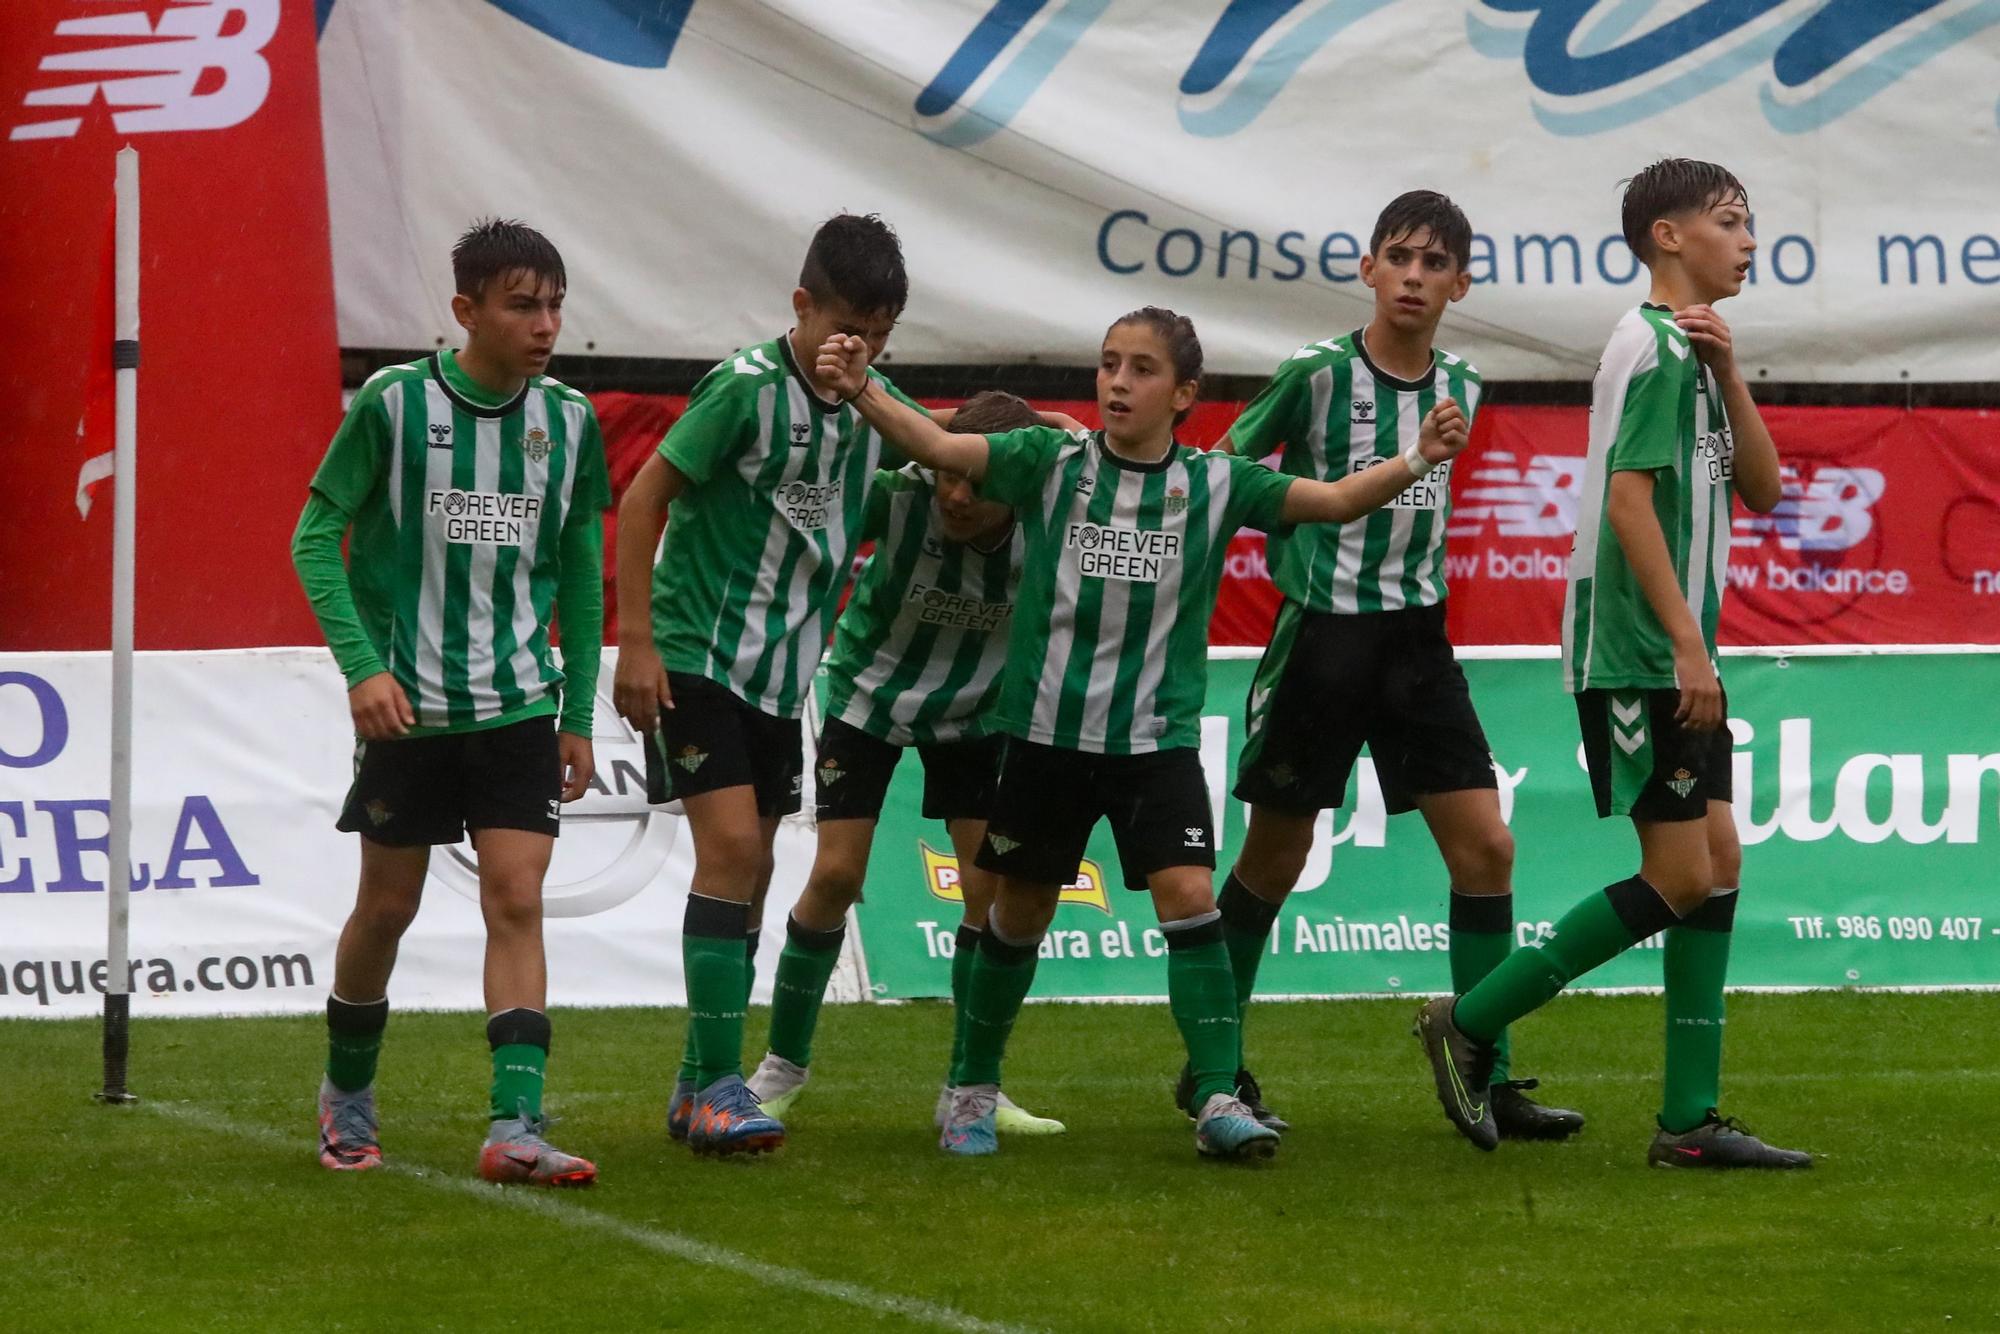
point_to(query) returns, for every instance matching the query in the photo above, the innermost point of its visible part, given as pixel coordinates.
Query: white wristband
(1414, 460)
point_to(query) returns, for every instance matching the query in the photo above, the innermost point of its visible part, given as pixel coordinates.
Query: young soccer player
(1673, 431)
(766, 477)
(1125, 532)
(1364, 606)
(471, 488)
(916, 662)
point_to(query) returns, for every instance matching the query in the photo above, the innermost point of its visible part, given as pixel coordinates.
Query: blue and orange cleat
(347, 1129)
(515, 1154)
(727, 1120)
(680, 1111)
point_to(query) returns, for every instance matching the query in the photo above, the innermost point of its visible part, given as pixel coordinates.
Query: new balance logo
(1625, 727)
(162, 85)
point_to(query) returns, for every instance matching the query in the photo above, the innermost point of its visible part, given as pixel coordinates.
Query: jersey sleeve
(580, 585)
(357, 460)
(1648, 435)
(1257, 494)
(716, 425)
(1017, 461)
(885, 487)
(1277, 416)
(592, 493)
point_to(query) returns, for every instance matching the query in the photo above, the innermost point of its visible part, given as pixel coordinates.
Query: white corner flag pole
(124, 533)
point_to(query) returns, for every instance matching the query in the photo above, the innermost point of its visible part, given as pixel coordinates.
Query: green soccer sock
(688, 1071)
(1201, 992)
(354, 1041)
(961, 977)
(1001, 974)
(520, 1042)
(1246, 933)
(712, 953)
(1605, 924)
(803, 970)
(1482, 934)
(1697, 961)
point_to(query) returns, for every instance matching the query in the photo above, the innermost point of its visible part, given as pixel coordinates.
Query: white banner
(1051, 164)
(241, 761)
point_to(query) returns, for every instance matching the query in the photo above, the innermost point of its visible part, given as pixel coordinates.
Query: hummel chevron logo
(1257, 697)
(1628, 715)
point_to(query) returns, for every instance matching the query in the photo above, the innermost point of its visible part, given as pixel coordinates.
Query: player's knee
(385, 916)
(733, 861)
(1727, 866)
(511, 904)
(1274, 852)
(835, 884)
(1482, 861)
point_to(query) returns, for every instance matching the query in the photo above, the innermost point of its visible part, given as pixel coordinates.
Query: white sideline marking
(673, 1244)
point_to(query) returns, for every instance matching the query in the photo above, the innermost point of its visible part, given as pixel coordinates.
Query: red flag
(94, 428)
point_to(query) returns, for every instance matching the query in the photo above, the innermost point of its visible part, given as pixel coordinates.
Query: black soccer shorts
(1644, 763)
(851, 777)
(1050, 799)
(711, 740)
(417, 791)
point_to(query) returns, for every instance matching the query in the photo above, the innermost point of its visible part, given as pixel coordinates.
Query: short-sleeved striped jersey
(1654, 408)
(917, 653)
(1109, 652)
(760, 543)
(458, 503)
(1336, 413)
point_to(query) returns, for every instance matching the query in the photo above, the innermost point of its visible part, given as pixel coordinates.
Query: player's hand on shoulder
(579, 764)
(380, 709)
(1700, 709)
(639, 687)
(842, 365)
(1444, 431)
(1710, 335)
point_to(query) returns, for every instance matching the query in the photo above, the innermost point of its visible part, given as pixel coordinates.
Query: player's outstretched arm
(1756, 462)
(1629, 511)
(843, 367)
(639, 686)
(1443, 435)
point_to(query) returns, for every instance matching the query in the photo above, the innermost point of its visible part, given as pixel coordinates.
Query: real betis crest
(1176, 500)
(690, 758)
(1682, 783)
(535, 444)
(1002, 844)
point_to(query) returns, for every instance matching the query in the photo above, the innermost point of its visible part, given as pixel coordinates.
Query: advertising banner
(1869, 809)
(1051, 165)
(239, 372)
(240, 881)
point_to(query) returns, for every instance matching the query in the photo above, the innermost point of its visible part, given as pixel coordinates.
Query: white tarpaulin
(1051, 164)
(241, 882)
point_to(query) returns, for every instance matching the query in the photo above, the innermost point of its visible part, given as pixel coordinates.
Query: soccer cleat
(347, 1129)
(969, 1125)
(776, 1084)
(1009, 1117)
(727, 1120)
(680, 1111)
(1721, 1141)
(1518, 1116)
(1247, 1092)
(1461, 1068)
(1227, 1128)
(515, 1154)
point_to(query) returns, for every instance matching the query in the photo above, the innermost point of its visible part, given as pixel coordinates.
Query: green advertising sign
(1867, 796)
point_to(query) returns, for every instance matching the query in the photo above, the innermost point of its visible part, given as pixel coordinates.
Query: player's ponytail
(1183, 345)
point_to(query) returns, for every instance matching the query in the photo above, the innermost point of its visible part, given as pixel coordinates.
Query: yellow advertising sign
(941, 877)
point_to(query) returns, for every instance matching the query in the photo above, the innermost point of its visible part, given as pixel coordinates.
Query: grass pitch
(205, 1207)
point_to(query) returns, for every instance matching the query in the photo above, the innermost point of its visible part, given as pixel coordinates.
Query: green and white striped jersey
(1654, 408)
(1336, 413)
(1109, 652)
(459, 502)
(917, 653)
(760, 543)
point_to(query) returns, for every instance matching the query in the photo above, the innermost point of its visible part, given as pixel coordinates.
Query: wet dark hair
(494, 247)
(1670, 186)
(991, 412)
(857, 258)
(1428, 212)
(1183, 345)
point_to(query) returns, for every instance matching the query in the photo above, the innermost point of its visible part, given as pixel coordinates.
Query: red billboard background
(239, 374)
